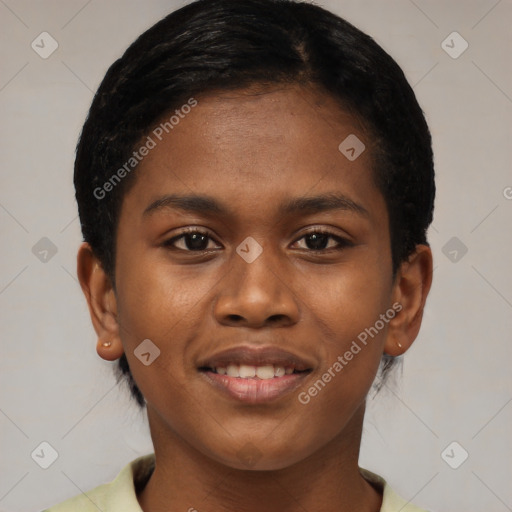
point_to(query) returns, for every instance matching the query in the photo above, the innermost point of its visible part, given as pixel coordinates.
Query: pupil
(196, 241)
(318, 241)
(199, 242)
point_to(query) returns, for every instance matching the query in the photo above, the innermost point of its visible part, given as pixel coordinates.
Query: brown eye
(319, 241)
(191, 241)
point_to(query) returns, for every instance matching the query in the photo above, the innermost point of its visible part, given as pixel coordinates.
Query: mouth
(246, 371)
(255, 376)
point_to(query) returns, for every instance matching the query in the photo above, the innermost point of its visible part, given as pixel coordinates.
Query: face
(251, 245)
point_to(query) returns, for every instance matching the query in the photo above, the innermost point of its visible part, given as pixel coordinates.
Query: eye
(191, 240)
(318, 240)
(195, 240)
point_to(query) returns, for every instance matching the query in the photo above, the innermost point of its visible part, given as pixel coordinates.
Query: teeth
(245, 371)
(233, 371)
(279, 371)
(265, 372)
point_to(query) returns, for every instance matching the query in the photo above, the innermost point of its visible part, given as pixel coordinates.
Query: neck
(328, 480)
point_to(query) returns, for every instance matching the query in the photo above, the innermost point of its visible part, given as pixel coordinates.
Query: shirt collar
(122, 494)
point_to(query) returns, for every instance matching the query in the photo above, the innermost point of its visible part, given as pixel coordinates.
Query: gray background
(455, 384)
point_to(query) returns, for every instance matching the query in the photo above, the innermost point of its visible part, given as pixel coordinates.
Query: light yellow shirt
(120, 495)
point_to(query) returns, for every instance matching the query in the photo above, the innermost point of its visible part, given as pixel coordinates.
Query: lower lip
(255, 391)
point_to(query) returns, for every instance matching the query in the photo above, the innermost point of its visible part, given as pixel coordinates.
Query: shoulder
(120, 495)
(391, 501)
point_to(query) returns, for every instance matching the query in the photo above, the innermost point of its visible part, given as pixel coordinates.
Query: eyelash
(342, 242)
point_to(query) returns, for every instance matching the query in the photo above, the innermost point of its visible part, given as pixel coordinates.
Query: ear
(410, 290)
(101, 300)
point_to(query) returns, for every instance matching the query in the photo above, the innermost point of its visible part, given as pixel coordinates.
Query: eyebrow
(203, 204)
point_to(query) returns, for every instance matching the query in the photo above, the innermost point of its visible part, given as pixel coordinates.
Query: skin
(251, 151)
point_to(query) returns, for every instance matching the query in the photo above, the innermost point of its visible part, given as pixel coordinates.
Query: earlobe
(108, 350)
(101, 301)
(411, 288)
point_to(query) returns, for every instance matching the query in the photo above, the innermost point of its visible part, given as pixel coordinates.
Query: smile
(254, 376)
(244, 371)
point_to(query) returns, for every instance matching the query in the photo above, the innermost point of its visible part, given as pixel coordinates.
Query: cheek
(346, 308)
(159, 300)
(346, 299)
(164, 306)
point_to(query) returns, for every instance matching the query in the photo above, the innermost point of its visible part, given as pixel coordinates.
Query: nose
(256, 294)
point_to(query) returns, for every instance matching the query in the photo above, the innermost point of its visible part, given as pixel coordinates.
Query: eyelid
(343, 241)
(325, 230)
(169, 242)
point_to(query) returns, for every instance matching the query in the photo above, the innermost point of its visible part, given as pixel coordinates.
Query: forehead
(255, 148)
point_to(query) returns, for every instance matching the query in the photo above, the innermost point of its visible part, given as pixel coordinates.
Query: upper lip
(255, 356)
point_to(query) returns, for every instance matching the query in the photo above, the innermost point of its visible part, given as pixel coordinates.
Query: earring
(399, 344)
(106, 344)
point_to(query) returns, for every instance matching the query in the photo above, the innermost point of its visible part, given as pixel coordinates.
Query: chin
(261, 456)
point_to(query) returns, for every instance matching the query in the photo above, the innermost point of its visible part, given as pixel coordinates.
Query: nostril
(235, 318)
(276, 318)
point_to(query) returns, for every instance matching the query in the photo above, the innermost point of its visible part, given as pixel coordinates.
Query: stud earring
(106, 344)
(399, 344)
